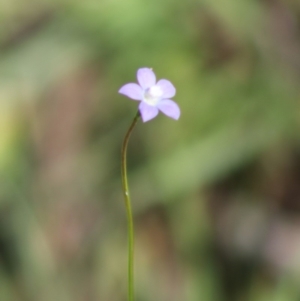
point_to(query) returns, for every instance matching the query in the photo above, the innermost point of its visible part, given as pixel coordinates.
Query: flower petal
(169, 108)
(167, 88)
(146, 78)
(133, 91)
(147, 112)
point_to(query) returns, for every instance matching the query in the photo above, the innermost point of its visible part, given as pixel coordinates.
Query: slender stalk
(128, 209)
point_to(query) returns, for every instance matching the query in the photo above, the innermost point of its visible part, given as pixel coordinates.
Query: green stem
(128, 209)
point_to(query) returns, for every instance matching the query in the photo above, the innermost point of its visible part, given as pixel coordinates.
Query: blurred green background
(216, 195)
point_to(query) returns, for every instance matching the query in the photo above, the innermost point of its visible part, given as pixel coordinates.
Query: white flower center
(153, 95)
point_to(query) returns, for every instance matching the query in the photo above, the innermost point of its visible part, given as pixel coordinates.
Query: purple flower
(154, 96)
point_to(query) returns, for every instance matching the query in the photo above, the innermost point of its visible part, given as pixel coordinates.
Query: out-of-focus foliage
(216, 195)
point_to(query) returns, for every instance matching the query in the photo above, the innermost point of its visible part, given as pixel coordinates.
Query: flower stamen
(153, 95)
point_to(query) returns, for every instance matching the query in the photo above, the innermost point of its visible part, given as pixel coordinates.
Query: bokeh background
(216, 195)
